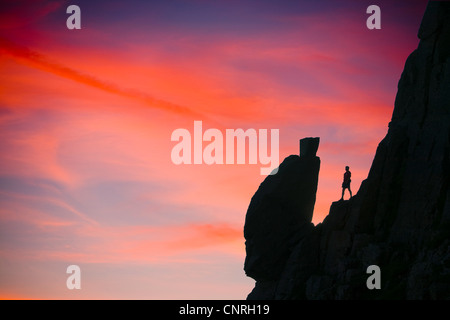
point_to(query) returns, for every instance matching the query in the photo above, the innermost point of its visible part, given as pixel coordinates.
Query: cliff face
(400, 218)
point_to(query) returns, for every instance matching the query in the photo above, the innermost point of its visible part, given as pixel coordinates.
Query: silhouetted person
(346, 182)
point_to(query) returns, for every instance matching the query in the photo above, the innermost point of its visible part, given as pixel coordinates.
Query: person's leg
(342, 197)
(349, 190)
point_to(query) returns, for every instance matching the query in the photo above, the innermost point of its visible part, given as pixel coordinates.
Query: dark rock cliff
(280, 213)
(400, 218)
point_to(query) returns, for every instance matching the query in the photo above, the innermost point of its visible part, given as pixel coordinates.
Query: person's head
(347, 168)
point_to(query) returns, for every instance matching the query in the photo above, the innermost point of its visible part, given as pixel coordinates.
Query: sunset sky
(86, 118)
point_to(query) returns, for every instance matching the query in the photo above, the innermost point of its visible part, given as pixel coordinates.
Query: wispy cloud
(36, 60)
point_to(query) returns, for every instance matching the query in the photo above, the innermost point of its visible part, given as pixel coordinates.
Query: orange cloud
(13, 296)
(34, 59)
